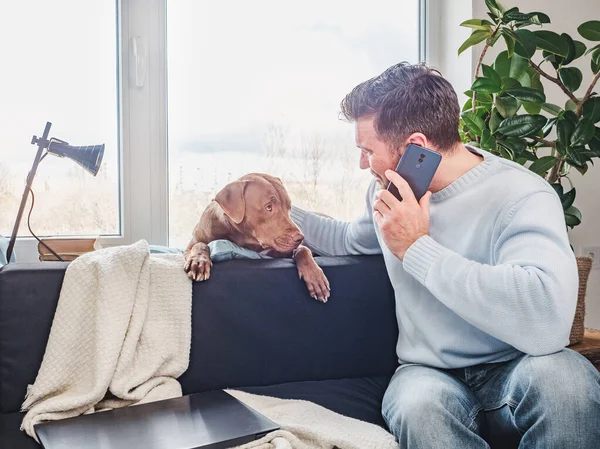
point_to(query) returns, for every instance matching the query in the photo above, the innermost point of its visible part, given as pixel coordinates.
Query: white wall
(566, 17)
(445, 38)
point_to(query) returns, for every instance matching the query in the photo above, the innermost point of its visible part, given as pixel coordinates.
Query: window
(243, 86)
(59, 63)
(256, 86)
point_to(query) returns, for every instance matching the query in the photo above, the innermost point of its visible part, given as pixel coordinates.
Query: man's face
(375, 154)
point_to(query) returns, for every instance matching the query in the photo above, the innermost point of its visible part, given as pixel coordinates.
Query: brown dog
(254, 212)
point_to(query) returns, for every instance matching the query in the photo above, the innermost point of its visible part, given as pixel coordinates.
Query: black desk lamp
(89, 157)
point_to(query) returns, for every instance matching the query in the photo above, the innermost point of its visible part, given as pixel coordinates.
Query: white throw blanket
(121, 335)
(305, 425)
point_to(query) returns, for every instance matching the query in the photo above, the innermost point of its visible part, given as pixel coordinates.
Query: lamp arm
(42, 143)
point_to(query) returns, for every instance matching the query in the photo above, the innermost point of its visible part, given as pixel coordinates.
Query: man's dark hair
(406, 99)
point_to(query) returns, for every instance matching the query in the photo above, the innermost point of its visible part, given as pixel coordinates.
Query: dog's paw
(198, 268)
(316, 281)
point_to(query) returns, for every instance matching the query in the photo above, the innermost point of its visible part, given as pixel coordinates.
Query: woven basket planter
(584, 266)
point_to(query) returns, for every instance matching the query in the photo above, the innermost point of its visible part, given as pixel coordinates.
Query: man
(484, 278)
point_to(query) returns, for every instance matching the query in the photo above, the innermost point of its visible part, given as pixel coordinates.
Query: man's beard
(383, 183)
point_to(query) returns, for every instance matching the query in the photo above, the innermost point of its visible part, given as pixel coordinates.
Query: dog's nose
(298, 238)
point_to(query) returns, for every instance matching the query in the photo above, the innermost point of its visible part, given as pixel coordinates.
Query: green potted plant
(506, 112)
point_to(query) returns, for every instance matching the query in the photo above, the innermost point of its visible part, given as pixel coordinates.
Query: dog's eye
(269, 207)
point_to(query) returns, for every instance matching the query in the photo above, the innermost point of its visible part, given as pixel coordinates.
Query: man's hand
(401, 223)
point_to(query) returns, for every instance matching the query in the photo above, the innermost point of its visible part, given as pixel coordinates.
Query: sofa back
(253, 323)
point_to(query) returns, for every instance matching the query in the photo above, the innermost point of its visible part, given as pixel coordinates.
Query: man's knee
(425, 398)
(558, 382)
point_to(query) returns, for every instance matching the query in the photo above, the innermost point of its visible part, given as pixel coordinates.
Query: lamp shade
(89, 156)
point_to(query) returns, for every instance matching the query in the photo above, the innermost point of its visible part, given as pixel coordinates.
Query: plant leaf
(583, 169)
(487, 141)
(541, 17)
(527, 156)
(525, 44)
(571, 48)
(476, 37)
(510, 43)
(509, 83)
(595, 51)
(571, 116)
(532, 108)
(564, 131)
(558, 188)
(574, 158)
(522, 125)
(551, 42)
(570, 106)
(527, 94)
(518, 65)
(580, 49)
(571, 77)
(572, 217)
(594, 143)
(483, 97)
(568, 198)
(490, 73)
(514, 14)
(548, 126)
(590, 30)
(473, 122)
(517, 144)
(502, 64)
(583, 133)
(552, 108)
(543, 164)
(485, 85)
(595, 66)
(507, 106)
(495, 121)
(477, 24)
(591, 109)
(555, 60)
(495, 8)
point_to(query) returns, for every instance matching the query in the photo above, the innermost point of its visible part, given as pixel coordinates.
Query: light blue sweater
(495, 278)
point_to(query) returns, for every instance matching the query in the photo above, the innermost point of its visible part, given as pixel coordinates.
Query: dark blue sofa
(255, 328)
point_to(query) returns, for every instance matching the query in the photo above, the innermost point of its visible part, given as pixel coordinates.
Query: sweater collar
(470, 178)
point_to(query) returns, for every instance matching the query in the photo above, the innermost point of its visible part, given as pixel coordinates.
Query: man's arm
(527, 298)
(329, 237)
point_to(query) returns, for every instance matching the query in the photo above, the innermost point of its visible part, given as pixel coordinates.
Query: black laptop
(211, 420)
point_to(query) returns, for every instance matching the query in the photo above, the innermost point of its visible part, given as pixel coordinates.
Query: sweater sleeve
(329, 237)
(527, 296)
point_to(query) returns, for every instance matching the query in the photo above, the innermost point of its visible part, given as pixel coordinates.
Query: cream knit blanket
(121, 335)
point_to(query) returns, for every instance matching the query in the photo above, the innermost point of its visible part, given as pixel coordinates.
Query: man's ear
(419, 139)
(231, 199)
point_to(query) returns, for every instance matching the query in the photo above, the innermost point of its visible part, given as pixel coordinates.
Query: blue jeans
(545, 402)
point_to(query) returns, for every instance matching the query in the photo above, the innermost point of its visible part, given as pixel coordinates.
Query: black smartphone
(417, 166)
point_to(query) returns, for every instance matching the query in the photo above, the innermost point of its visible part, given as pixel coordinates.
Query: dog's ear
(231, 199)
(272, 179)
